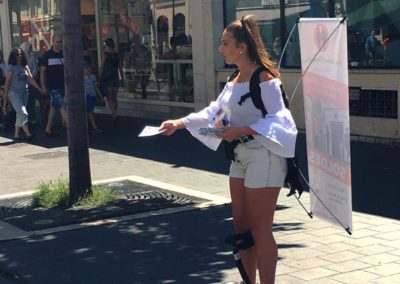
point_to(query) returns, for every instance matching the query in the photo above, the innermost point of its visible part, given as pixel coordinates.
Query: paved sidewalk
(186, 246)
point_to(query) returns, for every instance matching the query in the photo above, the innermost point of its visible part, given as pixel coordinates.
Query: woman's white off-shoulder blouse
(276, 131)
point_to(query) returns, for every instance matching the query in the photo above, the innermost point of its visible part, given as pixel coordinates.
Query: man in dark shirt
(52, 81)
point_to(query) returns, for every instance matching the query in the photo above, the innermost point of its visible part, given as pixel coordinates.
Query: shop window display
(35, 22)
(372, 27)
(153, 38)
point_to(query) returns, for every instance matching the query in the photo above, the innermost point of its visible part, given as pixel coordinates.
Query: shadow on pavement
(185, 247)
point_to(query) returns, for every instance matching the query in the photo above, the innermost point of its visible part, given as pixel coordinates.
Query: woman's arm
(33, 82)
(43, 79)
(103, 59)
(9, 75)
(121, 71)
(170, 126)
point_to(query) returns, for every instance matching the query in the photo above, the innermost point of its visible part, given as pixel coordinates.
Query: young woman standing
(263, 143)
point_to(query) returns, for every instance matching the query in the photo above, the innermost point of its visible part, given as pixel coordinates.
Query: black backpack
(292, 179)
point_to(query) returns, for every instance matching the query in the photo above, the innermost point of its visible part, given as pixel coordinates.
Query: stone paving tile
(317, 224)
(395, 252)
(375, 220)
(362, 242)
(378, 259)
(386, 228)
(393, 244)
(283, 269)
(373, 249)
(347, 266)
(358, 225)
(337, 247)
(392, 236)
(334, 239)
(394, 279)
(307, 263)
(322, 232)
(313, 273)
(304, 253)
(341, 256)
(387, 269)
(286, 279)
(364, 233)
(324, 281)
(297, 237)
(355, 277)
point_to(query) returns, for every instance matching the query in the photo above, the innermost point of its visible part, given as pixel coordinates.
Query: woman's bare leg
(242, 224)
(260, 204)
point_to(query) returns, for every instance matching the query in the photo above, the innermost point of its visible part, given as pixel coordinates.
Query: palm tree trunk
(78, 146)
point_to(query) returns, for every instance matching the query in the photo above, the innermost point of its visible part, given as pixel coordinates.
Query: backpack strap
(255, 92)
(233, 75)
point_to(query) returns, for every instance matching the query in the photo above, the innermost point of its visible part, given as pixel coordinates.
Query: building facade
(172, 66)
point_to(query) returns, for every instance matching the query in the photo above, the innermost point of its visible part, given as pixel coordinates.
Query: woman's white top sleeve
(277, 130)
(201, 119)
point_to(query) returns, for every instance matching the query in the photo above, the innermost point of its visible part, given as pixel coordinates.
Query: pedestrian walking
(90, 93)
(109, 76)
(260, 145)
(52, 81)
(16, 88)
(33, 93)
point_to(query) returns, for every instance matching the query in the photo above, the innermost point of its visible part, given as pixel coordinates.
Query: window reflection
(373, 31)
(373, 27)
(35, 22)
(154, 40)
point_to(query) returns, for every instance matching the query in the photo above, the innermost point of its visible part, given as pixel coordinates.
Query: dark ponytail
(246, 31)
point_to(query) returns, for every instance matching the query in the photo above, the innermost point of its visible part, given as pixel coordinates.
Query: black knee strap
(240, 241)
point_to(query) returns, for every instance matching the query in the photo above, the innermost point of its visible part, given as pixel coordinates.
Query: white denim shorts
(258, 166)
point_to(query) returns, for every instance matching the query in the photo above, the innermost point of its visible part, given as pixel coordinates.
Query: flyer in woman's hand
(216, 125)
(150, 131)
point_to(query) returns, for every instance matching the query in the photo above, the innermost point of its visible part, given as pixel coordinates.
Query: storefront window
(373, 29)
(154, 41)
(35, 21)
(275, 31)
(374, 33)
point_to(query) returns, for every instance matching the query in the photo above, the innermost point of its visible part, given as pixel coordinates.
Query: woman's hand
(170, 126)
(230, 133)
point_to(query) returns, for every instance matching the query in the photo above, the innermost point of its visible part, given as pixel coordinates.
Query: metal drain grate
(162, 195)
(15, 204)
(133, 198)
